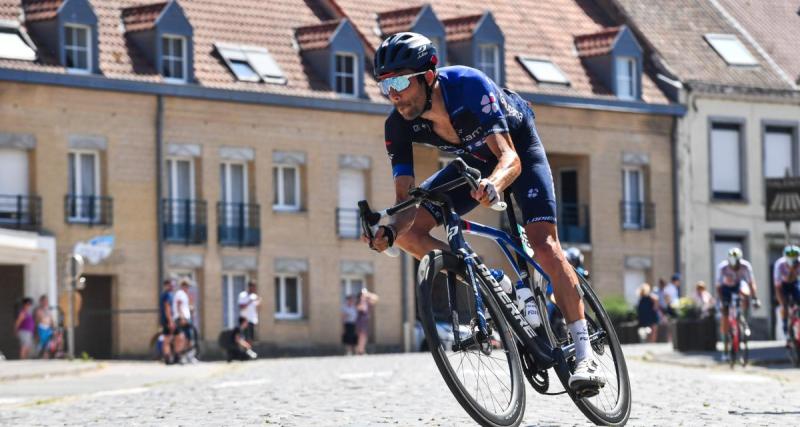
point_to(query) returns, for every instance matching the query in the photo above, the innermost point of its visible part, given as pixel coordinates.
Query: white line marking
(120, 392)
(361, 375)
(228, 384)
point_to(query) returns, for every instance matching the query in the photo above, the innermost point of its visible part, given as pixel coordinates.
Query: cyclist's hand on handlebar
(486, 193)
(380, 242)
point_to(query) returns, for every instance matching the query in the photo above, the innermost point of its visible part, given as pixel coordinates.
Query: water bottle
(527, 304)
(502, 279)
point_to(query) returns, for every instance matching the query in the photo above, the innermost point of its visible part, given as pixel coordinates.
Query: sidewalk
(762, 353)
(13, 370)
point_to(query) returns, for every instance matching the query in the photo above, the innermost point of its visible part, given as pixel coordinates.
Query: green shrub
(618, 309)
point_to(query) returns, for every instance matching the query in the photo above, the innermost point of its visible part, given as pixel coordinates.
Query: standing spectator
(25, 325)
(647, 312)
(366, 300)
(44, 326)
(167, 320)
(183, 312)
(248, 308)
(702, 299)
(349, 317)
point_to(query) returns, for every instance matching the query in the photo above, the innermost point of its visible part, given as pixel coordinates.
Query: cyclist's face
(411, 101)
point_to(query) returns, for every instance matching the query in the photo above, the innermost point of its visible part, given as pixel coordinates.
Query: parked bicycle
(493, 346)
(157, 343)
(738, 333)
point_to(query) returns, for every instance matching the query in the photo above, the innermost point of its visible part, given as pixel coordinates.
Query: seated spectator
(234, 342)
(703, 299)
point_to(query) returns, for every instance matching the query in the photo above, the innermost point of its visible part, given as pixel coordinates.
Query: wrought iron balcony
(20, 212)
(184, 221)
(573, 223)
(347, 225)
(637, 215)
(89, 210)
(238, 224)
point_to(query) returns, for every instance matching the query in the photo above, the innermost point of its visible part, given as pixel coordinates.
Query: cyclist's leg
(417, 241)
(781, 296)
(726, 294)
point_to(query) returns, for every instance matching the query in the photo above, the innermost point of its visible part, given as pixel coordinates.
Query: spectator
(703, 299)
(167, 320)
(366, 300)
(349, 317)
(239, 348)
(248, 308)
(44, 326)
(647, 312)
(24, 326)
(183, 312)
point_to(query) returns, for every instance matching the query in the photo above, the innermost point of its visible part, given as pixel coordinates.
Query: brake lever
(472, 176)
(369, 225)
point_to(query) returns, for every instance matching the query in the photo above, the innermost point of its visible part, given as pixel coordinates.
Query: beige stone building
(224, 155)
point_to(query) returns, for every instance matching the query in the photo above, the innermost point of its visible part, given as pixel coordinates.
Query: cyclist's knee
(548, 254)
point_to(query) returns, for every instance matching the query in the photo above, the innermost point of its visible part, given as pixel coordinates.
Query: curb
(66, 372)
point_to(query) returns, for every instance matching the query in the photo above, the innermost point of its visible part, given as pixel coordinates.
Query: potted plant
(623, 318)
(690, 330)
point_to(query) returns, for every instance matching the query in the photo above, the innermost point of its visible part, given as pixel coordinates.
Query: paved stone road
(373, 390)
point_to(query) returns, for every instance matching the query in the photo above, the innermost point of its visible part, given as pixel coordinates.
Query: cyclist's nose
(394, 95)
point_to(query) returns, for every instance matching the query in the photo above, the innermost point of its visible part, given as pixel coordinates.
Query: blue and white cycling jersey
(478, 108)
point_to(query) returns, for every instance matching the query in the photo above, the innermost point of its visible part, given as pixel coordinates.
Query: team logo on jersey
(532, 193)
(489, 104)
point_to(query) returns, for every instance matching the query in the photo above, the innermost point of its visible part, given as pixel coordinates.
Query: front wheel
(482, 370)
(612, 405)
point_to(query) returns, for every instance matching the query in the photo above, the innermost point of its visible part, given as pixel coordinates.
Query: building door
(12, 290)
(93, 334)
(351, 191)
(633, 279)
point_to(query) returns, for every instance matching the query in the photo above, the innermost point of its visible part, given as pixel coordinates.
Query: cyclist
(785, 274)
(460, 110)
(575, 258)
(731, 273)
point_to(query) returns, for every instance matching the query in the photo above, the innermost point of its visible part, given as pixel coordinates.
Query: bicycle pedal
(587, 392)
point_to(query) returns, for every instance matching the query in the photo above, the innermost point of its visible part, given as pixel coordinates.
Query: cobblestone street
(402, 389)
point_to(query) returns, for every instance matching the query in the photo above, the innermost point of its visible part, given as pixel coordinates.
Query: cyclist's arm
(168, 313)
(752, 281)
(508, 166)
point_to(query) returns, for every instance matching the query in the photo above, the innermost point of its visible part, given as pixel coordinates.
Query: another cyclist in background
(785, 273)
(731, 273)
(575, 258)
(460, 110)
(167, 320)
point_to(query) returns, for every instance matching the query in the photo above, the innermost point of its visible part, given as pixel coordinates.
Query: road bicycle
(493, 347)
(793, 339)
(738, 333)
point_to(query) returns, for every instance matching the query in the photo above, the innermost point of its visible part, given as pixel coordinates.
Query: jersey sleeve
(777, 274)
(483, 99)
(718, 279)
(398, 145)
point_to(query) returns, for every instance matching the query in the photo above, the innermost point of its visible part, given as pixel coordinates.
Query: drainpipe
(159, 191)
(404, 293)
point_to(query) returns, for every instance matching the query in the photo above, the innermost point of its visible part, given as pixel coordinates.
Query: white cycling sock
(580, 336)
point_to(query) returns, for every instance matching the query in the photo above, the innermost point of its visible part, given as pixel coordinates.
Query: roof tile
(317, 36)
(40, 10)
(142, 18)
(599, 43)
(461, 28)
(398, 20)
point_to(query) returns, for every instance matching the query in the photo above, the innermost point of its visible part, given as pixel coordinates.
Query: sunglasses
(398, 83)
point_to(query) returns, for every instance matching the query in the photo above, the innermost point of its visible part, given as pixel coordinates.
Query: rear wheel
(612, 405)
(483, 372)
(794, 341)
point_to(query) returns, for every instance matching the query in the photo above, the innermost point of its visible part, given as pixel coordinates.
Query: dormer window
(489, 61)
(345, 75)
(250, 63)
(78, 48)
(626, 78)
(173, 58)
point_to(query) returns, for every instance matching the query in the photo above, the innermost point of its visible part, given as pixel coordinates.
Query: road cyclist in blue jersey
(735, 276)
(786, 275)
(461, 111)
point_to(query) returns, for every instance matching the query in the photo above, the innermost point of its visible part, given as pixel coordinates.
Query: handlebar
(369, 219)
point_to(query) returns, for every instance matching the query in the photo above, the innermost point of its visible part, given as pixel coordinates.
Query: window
(345, 74)
(286, 181)
(173, 58)
(633, 279)
(632, 197)
(13, 184)
(84, 185)
(77, 48)
(288, 297)
(779, 152)
(726, 161)
(489, 61)
(180, 179)
(13, 45)
(730, 49)
(352, 286)
(250, 63)
(232, 285)
(352, 189)
(544, 71)
(233, 189)
(626, 78)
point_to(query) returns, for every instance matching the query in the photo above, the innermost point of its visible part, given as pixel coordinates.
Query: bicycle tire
(794, 343)
(744, 347)
(621, 411)
(733, 343)
(431, 265)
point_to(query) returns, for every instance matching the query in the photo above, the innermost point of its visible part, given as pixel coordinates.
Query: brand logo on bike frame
(504, 298)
